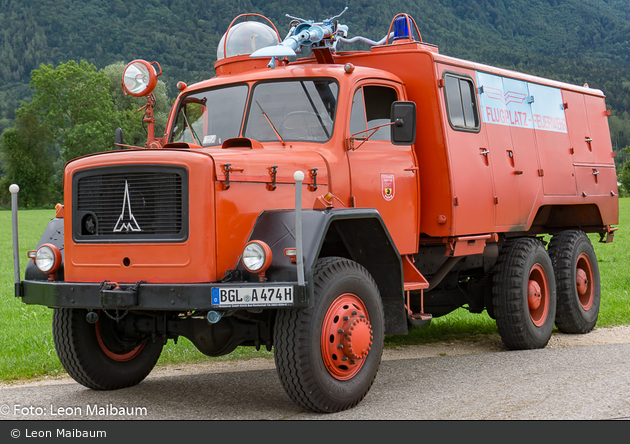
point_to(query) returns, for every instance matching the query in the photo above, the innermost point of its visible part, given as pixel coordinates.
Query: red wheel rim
(538, 295)
(584, 281)
(346, 337)
(118, 357)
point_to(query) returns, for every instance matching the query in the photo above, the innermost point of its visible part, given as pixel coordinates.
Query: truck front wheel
(100, 356)
(524, 294)
(577, 277)
(328, 355)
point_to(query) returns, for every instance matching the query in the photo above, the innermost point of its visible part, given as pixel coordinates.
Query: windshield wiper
(310, 101)
(271, 124)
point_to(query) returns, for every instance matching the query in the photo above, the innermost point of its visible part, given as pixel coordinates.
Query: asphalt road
(573, 383)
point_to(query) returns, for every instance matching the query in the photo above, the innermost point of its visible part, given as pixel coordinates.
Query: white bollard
(299, 177)
(14, 189)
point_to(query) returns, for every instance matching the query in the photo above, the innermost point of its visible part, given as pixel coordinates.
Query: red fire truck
(314, 204)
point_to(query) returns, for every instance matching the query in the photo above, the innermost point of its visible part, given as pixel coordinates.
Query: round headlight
(48, 258)
(140, 78)
(256, 256)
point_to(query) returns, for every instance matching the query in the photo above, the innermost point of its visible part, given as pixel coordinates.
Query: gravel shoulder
(485, 344)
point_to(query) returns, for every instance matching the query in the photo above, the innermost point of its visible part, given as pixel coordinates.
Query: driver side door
(382, 175)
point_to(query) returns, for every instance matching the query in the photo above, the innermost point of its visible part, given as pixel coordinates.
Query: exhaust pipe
(14, 189)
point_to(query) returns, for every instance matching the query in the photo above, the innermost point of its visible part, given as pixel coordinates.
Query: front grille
(147, 203)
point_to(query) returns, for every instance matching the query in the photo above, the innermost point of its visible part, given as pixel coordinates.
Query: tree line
(571, 40)
(74, 112)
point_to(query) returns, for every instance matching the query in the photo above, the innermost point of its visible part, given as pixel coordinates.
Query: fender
(356, 234)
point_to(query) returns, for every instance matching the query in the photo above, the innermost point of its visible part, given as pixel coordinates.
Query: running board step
(414, 280)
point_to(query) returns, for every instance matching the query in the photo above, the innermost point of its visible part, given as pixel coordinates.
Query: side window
(371, 107)
(461, 102)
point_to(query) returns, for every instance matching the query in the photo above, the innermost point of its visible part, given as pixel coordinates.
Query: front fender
(357, 234)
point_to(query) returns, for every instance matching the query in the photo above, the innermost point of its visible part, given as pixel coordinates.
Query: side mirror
(403, 117)
(118, 139)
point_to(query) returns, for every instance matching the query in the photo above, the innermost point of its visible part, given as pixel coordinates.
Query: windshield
(210, 117)
(278, 111)
(292, 110)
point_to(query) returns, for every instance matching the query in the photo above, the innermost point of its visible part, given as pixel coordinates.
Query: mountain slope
(575, 40)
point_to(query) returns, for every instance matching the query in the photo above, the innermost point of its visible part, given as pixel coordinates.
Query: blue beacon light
(401, 28)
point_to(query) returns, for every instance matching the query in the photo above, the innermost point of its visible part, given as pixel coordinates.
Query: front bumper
(142, 296)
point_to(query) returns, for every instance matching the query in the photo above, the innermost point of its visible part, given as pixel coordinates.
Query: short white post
(14, 189)
(299, 177)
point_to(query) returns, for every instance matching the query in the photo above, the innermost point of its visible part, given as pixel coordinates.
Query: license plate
(252, 296)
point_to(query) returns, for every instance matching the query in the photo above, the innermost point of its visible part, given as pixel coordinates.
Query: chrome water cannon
(325, 34)
(304, 33)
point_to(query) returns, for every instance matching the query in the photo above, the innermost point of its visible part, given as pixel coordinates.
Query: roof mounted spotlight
(140, 78)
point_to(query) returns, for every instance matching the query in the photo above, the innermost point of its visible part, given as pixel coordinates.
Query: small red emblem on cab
(387, 186)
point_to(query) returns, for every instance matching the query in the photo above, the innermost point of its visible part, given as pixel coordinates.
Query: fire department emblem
(387, 186)
(126, 221)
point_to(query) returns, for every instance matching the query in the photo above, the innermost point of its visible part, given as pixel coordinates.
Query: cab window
(371, 107)
(210, 117)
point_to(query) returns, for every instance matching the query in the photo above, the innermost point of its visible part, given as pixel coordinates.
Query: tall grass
(27, 349)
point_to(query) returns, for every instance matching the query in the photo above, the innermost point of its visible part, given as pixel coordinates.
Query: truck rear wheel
(577, 279)
(328, 355)
(97, 355)
(524, 294)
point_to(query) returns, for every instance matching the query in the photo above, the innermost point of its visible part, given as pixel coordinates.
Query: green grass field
(27, 349)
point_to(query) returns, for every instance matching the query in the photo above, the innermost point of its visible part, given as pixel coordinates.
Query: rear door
(469, 157)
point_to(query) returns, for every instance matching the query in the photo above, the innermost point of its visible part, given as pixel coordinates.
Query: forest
(576, 41)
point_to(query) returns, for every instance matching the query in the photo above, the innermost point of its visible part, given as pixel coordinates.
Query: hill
(578, 41)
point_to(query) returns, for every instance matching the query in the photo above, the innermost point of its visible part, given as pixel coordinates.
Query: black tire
(302, 354)
(114, 365)
(577, 281)
(524, 267)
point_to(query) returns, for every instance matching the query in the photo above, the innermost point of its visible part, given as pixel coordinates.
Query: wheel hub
(581, 282)
(538, 295)
(346, 338)
(584, 279)
(534, 295)
(357, 339)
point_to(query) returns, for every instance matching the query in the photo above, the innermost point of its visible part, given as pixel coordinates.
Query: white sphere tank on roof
(245, 38)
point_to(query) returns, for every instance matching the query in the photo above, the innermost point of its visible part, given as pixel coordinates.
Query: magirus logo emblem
(126, 222)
